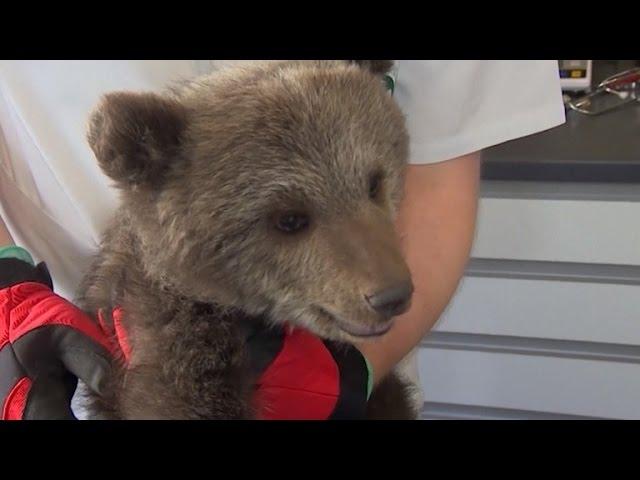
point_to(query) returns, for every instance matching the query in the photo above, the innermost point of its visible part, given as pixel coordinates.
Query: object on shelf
(617, 91)
(575, 75)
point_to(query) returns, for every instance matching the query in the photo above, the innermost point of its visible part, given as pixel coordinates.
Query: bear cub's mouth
(356, 330)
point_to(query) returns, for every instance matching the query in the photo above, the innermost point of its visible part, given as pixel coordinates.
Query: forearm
(436, 225)
(5, 237)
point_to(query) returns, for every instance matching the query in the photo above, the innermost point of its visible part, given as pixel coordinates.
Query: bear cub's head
(270, 187)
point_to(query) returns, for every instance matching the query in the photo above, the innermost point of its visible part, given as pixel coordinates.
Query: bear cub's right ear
(377, 67)
(136, 136)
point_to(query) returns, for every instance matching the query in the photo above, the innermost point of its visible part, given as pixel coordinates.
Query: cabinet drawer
(559, 230)
(582, 311)
(565, 386)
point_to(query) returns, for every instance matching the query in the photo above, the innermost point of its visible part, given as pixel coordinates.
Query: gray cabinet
(546, 323)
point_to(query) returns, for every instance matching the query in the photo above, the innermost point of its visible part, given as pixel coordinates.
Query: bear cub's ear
(136, 136)
(377, 67)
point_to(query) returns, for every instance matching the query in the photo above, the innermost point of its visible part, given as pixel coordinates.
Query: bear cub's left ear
(136, 136)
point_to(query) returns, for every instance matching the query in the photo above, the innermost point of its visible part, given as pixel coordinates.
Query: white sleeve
(456, 107)
(53, 196)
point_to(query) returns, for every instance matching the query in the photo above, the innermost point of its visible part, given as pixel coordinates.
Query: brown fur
(204, 171)
(391, 400)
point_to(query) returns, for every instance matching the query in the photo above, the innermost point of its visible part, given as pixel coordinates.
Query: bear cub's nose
(393, 300)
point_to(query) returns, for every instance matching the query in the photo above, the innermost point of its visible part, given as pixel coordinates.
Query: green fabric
(14, 251)
(369, 378)
(390, 83)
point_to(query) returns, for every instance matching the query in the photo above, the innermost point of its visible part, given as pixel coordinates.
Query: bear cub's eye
(292, 222)
(375, 182)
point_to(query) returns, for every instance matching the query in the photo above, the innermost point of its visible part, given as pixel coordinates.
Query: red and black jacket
(46, 344)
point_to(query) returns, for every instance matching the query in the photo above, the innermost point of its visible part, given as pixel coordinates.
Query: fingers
(55, 350)
(85, 359)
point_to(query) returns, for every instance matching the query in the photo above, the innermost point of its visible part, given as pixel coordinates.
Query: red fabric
(302, 383)
(14, 404)
(27, 306)
(121, 335)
